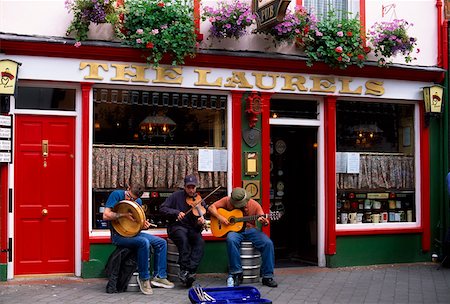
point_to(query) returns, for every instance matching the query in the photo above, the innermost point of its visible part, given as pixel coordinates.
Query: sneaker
(164, 283)
(183, 276)
(190, 279)
(145, 287)
(269, 282)
(238, 278)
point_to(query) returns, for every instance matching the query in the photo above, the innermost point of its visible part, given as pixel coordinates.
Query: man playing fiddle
(186, 209)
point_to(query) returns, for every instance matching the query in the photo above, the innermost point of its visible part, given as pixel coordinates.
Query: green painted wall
(3, 272)
(377, 249)
(214, 260)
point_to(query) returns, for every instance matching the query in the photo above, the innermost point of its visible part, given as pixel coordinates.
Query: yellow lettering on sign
(121, 71)
(202, 81)
(374, 87)
(346, 87)
(140, 73)
(259, 77)
(168, 75)
(323, 84)
(289, 83)
(93, 69)
(238, 79)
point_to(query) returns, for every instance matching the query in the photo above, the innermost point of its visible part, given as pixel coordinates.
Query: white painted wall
(50, 18)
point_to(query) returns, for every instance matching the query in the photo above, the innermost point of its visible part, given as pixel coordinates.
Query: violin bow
(203, 199)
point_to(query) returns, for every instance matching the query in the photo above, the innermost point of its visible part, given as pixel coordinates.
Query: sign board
(8, 73)
(5, 138)
(269, 12)
(212, 160)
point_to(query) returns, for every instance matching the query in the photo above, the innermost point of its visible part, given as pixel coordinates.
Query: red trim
(379, 231)
(425, 180)
(103, 53)
(3, 212)
(265, 155)
(85, 104)
(236, 122)
(362, 18)
(445, 44)
(107, 239)
(439, 33)
(197, 20)
(330, 174)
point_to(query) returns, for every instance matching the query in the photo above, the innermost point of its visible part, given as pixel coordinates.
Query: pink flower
(77, 44)
(338, 49)
(139, 41)
(140, 31)
(340, 34)
(155, 31)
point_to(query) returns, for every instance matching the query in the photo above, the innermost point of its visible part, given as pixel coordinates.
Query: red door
(44, 194)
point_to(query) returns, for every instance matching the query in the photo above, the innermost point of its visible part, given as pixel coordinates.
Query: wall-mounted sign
(8, 73)
(252, 187)
(269, 12)
(5, 138)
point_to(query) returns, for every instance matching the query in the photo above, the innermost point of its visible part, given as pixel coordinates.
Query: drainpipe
(439, 33)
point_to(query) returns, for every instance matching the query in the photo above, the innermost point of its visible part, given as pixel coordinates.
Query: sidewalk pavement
(398, 283)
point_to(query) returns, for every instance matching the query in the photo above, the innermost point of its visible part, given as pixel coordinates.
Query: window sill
(379, 228)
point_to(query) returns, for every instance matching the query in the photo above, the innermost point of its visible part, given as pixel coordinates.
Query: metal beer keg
(251, 262)
(173, 268)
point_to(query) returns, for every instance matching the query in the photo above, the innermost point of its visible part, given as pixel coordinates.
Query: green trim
(214, 260)
(377, 249)
(3, 272)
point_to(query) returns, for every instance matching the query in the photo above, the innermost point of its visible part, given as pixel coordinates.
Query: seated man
(240, 199)
(141, 242)
(185, 230)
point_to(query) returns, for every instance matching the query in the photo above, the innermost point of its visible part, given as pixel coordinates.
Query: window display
(375, 163)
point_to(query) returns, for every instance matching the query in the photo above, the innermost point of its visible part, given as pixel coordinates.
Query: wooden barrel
(251, 262)
(173, 268)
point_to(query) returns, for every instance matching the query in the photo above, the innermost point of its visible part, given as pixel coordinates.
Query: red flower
(366, 49)
(361, 57)
(149, 45)
(306, 29)
(161, 4)
(339, 58)
(349, 34)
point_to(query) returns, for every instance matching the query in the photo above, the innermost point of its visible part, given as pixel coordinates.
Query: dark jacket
(119, 269)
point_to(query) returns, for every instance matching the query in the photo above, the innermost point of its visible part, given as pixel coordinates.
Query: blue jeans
(260, 241)
(142, 243)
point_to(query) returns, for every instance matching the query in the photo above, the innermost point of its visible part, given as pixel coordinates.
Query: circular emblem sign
(280, 146)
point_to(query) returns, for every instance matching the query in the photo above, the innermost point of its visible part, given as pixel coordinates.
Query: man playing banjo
(141, 242)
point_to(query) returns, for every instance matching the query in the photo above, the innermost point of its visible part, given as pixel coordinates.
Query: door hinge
(8, 250)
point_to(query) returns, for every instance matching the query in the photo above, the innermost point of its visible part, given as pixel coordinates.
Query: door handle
(44, 212)
(45, 147)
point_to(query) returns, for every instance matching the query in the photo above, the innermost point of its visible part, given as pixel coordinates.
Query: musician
(240, 199)
(186, 226)
(141, 242)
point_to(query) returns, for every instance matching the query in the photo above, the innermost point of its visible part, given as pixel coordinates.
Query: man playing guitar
(240, 199)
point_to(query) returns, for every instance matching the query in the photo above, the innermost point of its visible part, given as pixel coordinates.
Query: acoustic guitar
(237, 221)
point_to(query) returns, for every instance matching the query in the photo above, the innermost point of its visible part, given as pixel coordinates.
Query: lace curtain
(115, 167)
(380, 171)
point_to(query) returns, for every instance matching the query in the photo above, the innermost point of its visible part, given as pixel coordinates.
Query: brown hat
(239, 197)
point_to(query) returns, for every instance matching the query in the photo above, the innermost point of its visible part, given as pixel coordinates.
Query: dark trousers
(190, 246)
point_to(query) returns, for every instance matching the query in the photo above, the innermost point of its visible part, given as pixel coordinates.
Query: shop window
(375, 163)
(154, 138)
(288, 108)
(322, 7)
(45, 99)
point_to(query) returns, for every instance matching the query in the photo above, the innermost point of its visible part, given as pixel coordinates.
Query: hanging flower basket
(389, 39)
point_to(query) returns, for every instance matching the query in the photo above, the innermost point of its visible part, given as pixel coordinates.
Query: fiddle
(196, 203)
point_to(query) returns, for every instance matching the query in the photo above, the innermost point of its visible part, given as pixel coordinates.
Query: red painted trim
(107, 239)
(265, 155)
(115, 52)
(85, 128)
(197, 20)
(3, 212)
(445, 44)
(330, 175)
(236, 122)
(439, 33)
(379, 231)
(362, 18)
(425, 180)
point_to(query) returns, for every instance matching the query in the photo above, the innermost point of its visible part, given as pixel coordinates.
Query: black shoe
(190, 279)
(269, 282)
(238, 278)
(183, 275)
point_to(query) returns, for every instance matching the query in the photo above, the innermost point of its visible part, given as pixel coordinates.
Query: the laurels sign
(269, 12)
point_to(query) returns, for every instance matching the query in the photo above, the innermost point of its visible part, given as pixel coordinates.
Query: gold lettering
(121, 72)
(259, 82)
(202, 81)
(346, 87)
(168, 75)
(374, 87)
(140, 73)
(238, 79)
(289, 83)
(93, 69)
(323, 84)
